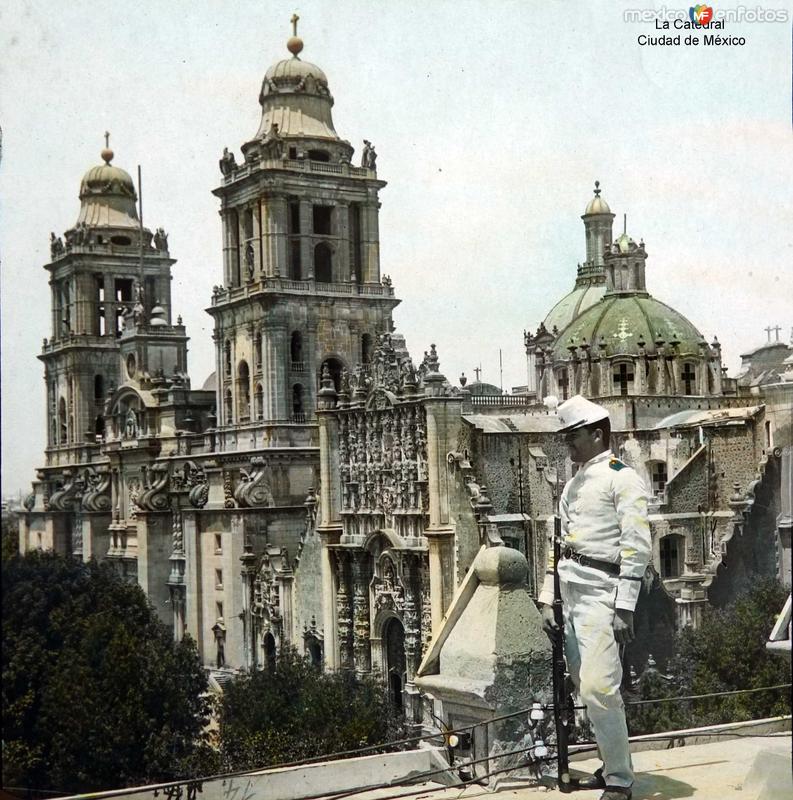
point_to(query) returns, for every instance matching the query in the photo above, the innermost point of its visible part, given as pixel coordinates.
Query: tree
(295, 711)
(726, 652)
(96, 694)
(10, 534)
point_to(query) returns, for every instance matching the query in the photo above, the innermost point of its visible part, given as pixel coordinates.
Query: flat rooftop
(745, 768)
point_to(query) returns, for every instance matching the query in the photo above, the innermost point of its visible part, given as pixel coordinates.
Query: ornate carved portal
(381, 599)
(263, 621)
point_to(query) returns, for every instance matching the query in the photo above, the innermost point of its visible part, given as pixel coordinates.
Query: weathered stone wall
(689, 488)
(307, 588)
(154, 549)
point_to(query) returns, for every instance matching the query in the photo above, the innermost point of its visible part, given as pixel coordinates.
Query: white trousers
(593, 661)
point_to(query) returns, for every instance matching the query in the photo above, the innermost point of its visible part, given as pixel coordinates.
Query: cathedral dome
(480, 388)
(293, 69)
(107, 196)
(621, 322)
(584, 296)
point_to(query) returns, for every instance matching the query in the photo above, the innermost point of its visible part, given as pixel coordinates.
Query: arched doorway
(395, 662)
(269, 652)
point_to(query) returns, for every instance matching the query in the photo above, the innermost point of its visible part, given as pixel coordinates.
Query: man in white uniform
(605, 551)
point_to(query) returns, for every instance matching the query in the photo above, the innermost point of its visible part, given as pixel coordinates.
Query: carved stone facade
(321, 489)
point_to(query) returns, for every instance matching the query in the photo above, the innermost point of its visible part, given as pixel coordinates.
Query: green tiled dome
(621, 321)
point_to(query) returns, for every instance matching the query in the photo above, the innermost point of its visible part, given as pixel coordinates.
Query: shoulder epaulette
(616, 464)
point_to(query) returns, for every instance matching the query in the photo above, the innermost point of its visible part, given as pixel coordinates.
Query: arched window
(257, 350)
(296, 349)
(227, 413)
(298, 413)
(394, 647)
(99, 426)
(99, 387)
(658, 476)
(366, 348)
(243, 391)
(258, 401)
(671, 549)
(323, 263)
(62, 422)
(314, 649)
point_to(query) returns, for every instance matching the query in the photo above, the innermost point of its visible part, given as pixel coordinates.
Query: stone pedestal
(490, 656)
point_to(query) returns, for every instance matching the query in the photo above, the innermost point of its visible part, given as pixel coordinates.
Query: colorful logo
(700, 15)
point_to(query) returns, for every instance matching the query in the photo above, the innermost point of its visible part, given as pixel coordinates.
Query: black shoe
(616, 793)
(595, 781)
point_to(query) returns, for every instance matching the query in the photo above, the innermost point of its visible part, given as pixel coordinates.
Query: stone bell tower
(302, 287)
(105, 268)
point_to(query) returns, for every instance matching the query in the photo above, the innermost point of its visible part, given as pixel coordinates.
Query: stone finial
(433, 363)
(463, 380)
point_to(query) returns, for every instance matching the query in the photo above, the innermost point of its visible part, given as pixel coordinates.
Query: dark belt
(585, 561)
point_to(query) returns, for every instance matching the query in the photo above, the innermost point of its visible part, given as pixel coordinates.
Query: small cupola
(625, 265)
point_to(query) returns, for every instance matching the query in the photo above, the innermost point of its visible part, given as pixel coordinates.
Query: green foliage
(10, 535)
(96, 695)
(726, 652)
(297, 712)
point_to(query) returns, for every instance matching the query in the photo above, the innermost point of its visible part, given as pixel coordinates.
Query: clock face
(132, 365)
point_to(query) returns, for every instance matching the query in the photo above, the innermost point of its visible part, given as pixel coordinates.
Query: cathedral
(324, 489)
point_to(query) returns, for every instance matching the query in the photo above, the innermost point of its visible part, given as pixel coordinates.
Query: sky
(491, 119)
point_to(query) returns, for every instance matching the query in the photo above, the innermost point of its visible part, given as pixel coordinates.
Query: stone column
(274, 235)
(274, 370)
(227, 221)
(55, 308)
(443, 421)
(194, 622)
(412, 615)
(344, 623)
(306, 241)
(359, 564)
(110, 307)
(248, 573)
(330, 639)
(716, 366)
(370, 242)
(285, 600)
(341, 215)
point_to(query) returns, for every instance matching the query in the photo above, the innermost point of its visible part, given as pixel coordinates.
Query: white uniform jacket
(604, 516)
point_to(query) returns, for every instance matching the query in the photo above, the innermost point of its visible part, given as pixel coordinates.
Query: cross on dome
(107, 154)
(295, 43)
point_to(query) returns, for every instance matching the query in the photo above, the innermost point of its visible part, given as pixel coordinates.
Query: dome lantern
(598, 220)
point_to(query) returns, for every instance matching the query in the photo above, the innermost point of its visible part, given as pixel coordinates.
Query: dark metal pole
(560, 699)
